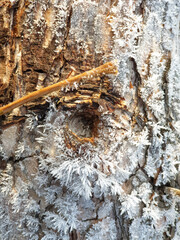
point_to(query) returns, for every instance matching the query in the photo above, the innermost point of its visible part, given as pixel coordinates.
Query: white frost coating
(131, 204)
(157, 34)
(109, 230)
(13, 1)
(78, 2)
(123, 163)
(83, 35)
(9, 140)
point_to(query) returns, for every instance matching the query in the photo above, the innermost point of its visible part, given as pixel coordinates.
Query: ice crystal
(54, 183)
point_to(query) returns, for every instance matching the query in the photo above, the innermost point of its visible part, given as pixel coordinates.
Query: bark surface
(99, 160)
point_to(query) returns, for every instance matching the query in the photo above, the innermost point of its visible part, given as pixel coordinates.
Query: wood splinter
(107, 68)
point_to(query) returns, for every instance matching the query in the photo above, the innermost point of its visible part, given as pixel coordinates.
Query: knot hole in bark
(83, 125)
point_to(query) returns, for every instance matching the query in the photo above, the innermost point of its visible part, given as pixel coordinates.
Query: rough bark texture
(93, 162)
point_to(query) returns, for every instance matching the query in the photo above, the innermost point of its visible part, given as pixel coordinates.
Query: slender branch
(106, 68)
(174, 191)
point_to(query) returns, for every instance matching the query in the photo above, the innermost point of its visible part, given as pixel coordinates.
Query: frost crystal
(56, 184)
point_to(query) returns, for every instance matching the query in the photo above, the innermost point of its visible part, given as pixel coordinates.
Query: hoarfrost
(133, 158)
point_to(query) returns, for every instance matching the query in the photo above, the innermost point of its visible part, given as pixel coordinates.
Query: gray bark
(77, 164)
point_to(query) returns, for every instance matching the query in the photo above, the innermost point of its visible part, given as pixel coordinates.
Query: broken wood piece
(107, 68)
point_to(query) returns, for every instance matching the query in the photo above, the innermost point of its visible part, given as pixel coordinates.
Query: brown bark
(113, 118)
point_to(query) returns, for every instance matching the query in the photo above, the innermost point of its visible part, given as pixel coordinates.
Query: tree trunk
(99, 160)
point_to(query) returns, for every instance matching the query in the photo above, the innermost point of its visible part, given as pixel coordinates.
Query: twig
(106, 68)
(174, 191)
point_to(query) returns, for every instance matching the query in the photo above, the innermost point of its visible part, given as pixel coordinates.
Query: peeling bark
(101, 160)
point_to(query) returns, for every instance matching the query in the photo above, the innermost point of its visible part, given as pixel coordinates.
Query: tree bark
(99, 160)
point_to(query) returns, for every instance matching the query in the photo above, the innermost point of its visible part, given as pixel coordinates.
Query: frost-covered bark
(75, 164)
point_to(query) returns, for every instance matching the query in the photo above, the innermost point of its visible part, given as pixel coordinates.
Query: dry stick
(174, 191)
(106, 68)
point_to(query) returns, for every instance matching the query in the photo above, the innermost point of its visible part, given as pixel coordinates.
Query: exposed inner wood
(104, 69)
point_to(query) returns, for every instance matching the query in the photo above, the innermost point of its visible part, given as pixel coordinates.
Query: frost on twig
(101, 161)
